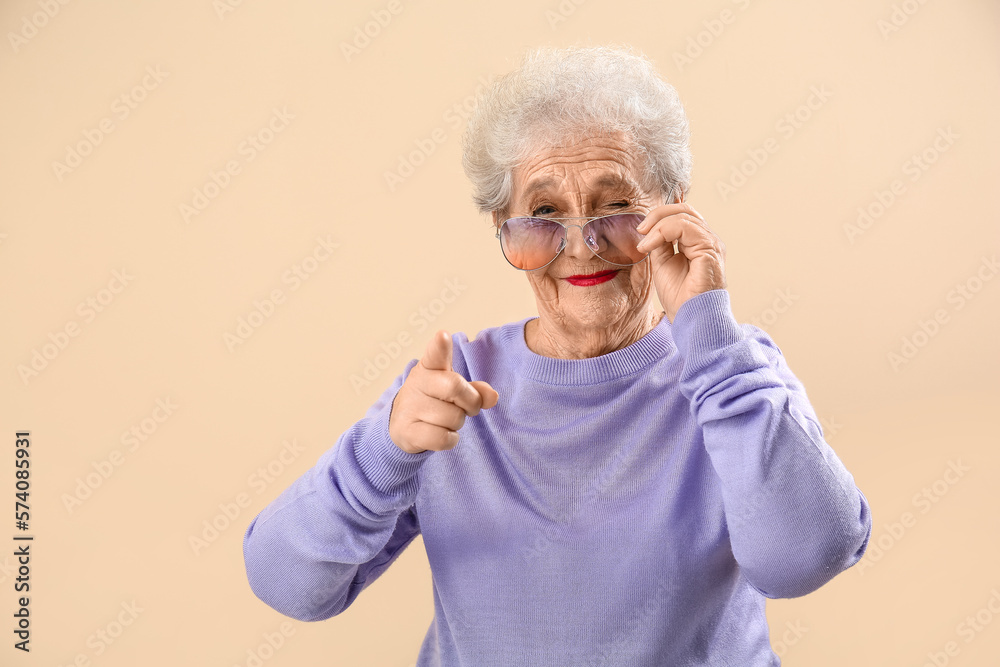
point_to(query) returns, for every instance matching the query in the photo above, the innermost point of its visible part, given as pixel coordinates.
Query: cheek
(541, 280)
(639, 277)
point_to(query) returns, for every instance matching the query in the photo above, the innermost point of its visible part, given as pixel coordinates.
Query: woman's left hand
(698, 267)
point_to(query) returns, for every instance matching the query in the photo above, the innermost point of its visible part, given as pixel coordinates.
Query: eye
(541, 210)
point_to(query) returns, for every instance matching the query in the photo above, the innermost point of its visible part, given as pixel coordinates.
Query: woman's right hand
(432, 404)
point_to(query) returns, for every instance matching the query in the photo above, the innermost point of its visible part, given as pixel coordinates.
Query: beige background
(846, 302)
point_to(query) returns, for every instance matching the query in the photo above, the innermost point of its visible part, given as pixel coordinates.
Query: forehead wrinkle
(538, 186)
(619, 183)
(614, 182)
(598, 167)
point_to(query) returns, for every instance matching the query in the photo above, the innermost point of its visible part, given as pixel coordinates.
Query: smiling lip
(591, 279)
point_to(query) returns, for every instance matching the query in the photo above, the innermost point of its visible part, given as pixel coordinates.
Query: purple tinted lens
(531, 243)
(616, 238)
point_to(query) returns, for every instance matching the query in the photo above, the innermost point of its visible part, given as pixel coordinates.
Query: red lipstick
(592, 279)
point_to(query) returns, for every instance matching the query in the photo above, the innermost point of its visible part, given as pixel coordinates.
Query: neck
(564, 339)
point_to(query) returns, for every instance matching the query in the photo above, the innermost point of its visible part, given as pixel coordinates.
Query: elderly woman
(602, 483)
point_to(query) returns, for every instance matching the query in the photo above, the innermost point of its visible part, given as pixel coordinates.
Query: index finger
(437, 356)
(691, 234)
(660, 212)
(448, 386)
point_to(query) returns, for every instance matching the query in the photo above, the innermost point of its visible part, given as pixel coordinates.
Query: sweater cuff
(703, 324)
(387, 468)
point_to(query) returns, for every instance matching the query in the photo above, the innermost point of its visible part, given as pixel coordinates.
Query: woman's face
(589, 177)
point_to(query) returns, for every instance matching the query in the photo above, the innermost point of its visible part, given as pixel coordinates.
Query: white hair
(581, 90)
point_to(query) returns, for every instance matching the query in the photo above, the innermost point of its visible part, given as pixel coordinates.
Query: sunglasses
(531, 243)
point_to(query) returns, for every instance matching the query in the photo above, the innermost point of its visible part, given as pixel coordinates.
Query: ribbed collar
(655, 345)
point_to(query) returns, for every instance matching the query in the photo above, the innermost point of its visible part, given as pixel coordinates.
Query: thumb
(437, 356)
(488, 393)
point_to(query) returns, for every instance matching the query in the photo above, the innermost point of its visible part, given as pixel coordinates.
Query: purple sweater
(635, 508)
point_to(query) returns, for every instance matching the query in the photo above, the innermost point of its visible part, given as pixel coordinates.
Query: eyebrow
(616, 181)
(607, 180)
(537, 186)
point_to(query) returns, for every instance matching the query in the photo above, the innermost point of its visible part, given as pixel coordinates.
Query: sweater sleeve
(796, 519)
(338, 527)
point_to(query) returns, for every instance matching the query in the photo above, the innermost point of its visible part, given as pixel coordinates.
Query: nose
(578, 245)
